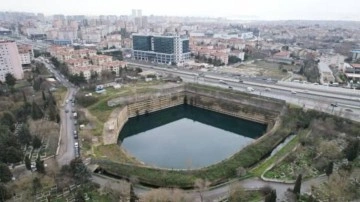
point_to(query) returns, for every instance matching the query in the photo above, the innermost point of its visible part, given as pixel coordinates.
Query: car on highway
(293, 92)
(76, 144)
(334, 104)
(348, 110)
(267, 89)
(230, 87)
(75, 134)
(66, 111)
(241, 81)
(250, 89)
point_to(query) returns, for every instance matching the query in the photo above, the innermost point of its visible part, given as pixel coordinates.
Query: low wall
(113, 126)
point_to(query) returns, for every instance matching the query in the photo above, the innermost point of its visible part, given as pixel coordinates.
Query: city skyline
(231, 9)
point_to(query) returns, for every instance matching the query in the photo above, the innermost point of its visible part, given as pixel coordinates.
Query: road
(306, 95)
(66, 150)
(220, 192)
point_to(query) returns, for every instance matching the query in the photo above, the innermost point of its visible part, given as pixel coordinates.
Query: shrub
(86, 101)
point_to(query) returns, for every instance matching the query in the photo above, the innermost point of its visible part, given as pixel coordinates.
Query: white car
(76, 144)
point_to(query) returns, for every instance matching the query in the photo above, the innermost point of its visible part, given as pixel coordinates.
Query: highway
(66, 148)
(346, 102)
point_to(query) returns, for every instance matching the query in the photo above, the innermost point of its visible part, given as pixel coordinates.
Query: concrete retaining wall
(241, 105)
(113, 126)
(155, 104)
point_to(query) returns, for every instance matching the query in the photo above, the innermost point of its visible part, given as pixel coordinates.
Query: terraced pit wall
(238, 104)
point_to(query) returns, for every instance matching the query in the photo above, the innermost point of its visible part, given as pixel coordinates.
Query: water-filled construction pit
(191, 131)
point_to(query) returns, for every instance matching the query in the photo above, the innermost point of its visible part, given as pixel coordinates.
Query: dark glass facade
(164, 45)
(185, 46)
(142, 43)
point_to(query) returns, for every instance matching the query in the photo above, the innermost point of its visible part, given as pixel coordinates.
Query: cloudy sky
(254, 9)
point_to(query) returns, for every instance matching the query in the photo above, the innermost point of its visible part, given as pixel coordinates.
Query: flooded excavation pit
(186, 137)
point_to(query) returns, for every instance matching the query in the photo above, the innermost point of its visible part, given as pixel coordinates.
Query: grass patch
(113, 152)
(260, 169)
(101, 110)
(60, 95)
(21, 84)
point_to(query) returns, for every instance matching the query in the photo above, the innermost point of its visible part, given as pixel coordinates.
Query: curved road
(222, 192)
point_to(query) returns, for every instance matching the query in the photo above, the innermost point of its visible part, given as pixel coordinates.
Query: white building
(10, 60)
(26, 54)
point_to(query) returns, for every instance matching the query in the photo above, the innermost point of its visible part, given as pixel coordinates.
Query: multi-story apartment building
(26, 54)
(10, 60)
(161, 49)
(86, 61)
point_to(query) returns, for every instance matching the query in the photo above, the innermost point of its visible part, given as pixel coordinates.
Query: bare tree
(166, 195)
(201, 185)
(237, 193)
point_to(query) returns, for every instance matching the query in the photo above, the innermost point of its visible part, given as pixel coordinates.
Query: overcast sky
(255, 9)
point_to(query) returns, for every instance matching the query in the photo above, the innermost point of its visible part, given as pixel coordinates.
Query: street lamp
(333, 106)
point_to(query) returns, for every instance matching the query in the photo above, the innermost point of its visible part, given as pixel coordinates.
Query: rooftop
(355, 51)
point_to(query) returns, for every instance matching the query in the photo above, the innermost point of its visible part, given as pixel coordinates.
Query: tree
(24, 96)
(133, 197)
(27, 162)
(79, 197)
(36, 112)
(5, 173)
(43, 96)
(238, 193)
(165, 195)
(24, 135)
(233, 59)
(36, 143)
(10, 79)
(40, 165)
(79, 171)
(329, 168)
(201, 185)
(271, 197)
(82, 78)
(36, 185)
(53, 113)
(13, 155)
(352, 150)
(94, 76)
(4, 193)
(297, 186)
(9, 120)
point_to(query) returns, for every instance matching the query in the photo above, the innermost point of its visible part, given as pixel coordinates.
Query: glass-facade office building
(161, 49)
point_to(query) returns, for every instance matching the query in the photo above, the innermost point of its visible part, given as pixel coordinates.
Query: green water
(186, 137)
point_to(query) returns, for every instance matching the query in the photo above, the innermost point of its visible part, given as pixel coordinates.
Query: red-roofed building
(78, 62)
(100, 59)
